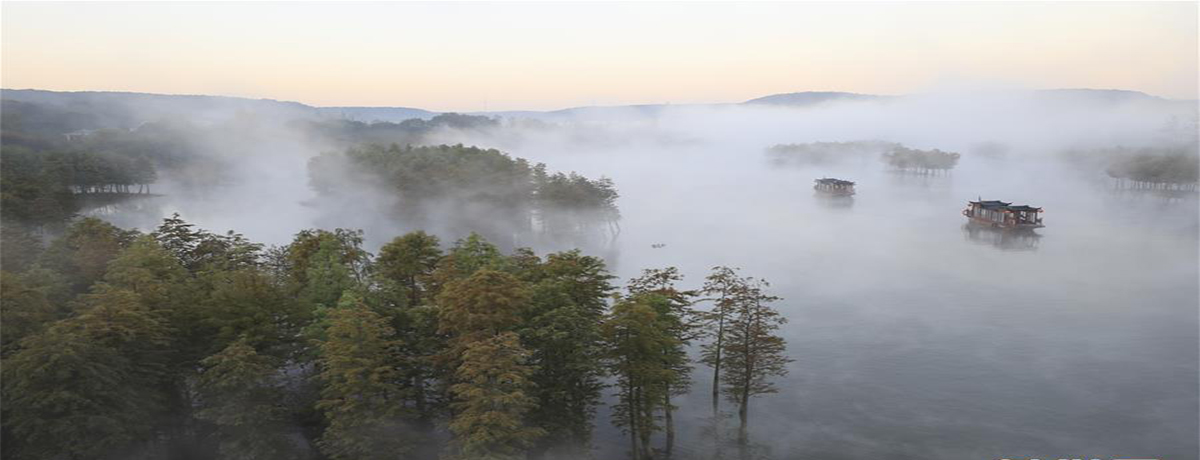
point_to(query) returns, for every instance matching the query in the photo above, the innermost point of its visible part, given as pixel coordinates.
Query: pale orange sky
(500, 56)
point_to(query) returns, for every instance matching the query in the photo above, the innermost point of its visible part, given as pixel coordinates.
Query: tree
(326, 275)
(83, 252)
(639, 344)
(674, 308)
(492, 400)
(249, 305)
(468, 255)
(754, 353)
(25, 312)
(727, 290)
(238, 395)
(88, 386)
(481, 306)
(359, 396)
(410, 260)
(561, 331)
(342, 245)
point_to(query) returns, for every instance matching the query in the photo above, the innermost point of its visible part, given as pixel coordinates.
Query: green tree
(674, 308)
(327, 275)
(83, 252)
(360, 397)
(639, 342)
(248, 304)
(410, 260)
(561, 330)
(468, 255)
(238, 395)
(89, 386)
(25, 312)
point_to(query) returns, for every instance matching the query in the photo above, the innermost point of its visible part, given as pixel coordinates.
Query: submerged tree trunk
(669, 422)
(634, 412)
(716, 382)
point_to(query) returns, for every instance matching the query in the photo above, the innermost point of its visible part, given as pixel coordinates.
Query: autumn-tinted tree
(725, 289)
(492, 400)
(754, 353)
(359, 394)
(481, 306)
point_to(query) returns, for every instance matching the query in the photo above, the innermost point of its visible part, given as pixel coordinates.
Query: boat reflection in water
(1002, 238)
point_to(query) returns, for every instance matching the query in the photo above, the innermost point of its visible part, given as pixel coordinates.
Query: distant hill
(373, 114)
(108, 109)
(807, 98)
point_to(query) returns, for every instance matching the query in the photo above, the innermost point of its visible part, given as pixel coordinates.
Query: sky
(460, 56)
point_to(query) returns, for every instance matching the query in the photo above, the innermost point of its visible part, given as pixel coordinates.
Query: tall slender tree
(640, 344)
(492, 400)
(561, 330)
(725, 289)
(360, 396)
(674, 307)
(755, 353)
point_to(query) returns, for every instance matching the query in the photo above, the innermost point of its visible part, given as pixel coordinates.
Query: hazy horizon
(520, 56)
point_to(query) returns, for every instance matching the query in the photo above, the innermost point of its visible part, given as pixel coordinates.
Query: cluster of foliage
(182, 343)
(470, 187)
(920, 161)
(41, 175)
(1156, 168)
(826, 153)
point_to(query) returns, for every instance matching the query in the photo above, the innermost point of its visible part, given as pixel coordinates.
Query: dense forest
(501, 197)
(181, 343)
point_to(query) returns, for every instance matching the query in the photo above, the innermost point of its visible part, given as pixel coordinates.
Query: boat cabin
(1003, 214)
(834, 187)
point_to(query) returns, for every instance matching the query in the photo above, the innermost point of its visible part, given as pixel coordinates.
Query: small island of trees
(904, 159)
(1168, 170)
(470, 187)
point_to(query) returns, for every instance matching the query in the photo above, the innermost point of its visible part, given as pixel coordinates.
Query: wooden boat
(1005, 215)
(834, 187)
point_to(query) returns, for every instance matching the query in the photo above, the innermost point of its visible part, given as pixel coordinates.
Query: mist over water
(912, 337)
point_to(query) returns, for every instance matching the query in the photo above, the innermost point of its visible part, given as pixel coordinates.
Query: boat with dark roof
(1004, 215)
(834, 187)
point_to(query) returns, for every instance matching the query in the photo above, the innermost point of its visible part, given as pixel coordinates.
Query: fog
(913, 337)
